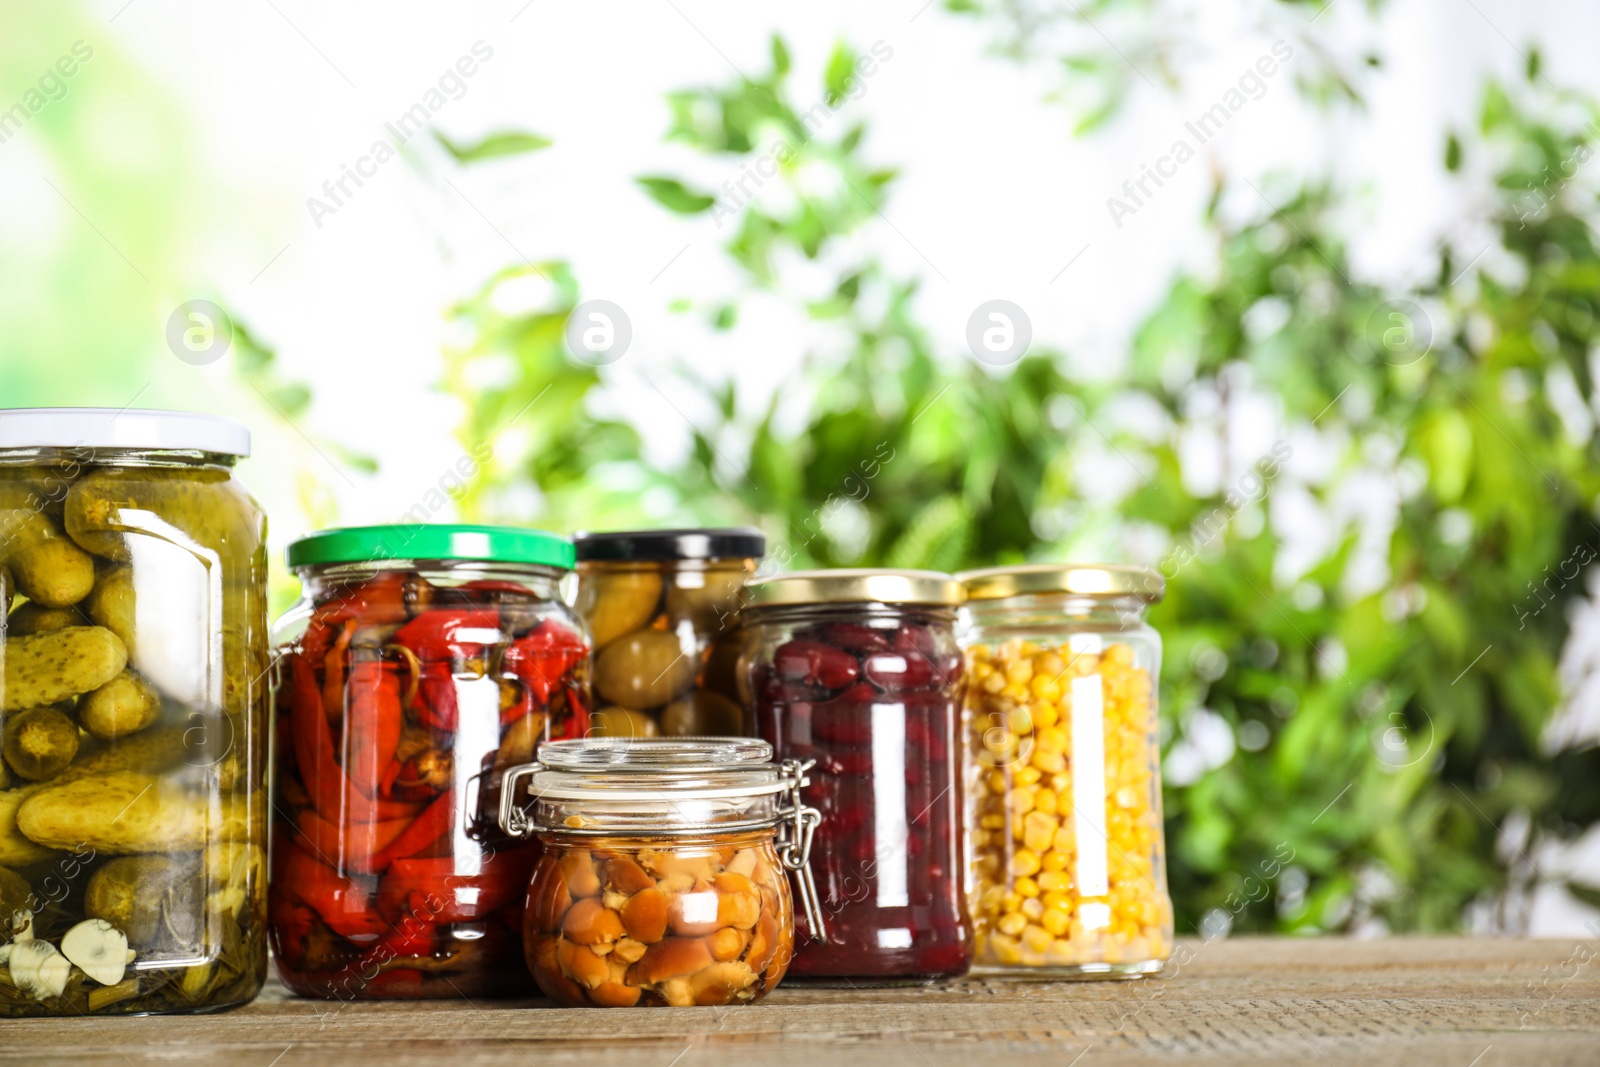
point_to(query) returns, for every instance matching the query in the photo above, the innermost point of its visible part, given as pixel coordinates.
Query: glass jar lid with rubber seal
(663, 879)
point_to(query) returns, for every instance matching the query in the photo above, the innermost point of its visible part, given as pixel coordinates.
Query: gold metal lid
(1077, 579)
(856, 585)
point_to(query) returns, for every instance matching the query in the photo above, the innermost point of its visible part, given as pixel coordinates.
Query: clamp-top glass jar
(859, 670)
(663, 610)
(420, 662)
(662, 877)
(1064, 783)
(133, 794)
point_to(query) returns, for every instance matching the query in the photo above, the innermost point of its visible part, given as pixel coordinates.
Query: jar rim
(138, 429)
(856, 585)
(1094, 580)
(431, 541)
(671, 545)
(677, 784)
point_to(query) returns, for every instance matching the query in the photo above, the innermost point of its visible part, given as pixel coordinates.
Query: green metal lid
(495, 544)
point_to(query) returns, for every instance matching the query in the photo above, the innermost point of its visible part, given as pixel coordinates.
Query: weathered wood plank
(1403, 1002)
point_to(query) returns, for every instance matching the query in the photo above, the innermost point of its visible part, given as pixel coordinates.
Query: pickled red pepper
(383, 841)
(1061, 876)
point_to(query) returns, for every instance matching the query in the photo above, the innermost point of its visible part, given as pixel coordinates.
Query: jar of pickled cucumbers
(1068, 867)
(663, 610)
(419, 664)
(132, 714)
(663, 877)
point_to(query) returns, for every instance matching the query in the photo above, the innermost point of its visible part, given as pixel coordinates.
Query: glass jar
(860, 671)
(1068, 875)
(419, 663)
(661, 881)
(132, 784)
(663, 611)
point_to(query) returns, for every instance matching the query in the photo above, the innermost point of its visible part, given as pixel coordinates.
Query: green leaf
(494, 146)
(675, 196)
(1452, 153)
(780, 56)
(840, 76)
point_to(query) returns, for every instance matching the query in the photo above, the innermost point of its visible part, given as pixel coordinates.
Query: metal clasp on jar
(797, 824)
(513, 819)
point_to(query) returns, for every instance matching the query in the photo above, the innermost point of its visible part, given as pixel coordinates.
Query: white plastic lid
(182, 431)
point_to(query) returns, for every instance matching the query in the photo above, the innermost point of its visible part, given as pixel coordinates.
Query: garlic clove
(38, 969)
(99, 949)
(22, 925)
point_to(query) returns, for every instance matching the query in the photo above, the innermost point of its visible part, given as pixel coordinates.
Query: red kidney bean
(898, 672)
(815, 663)
(855, 638)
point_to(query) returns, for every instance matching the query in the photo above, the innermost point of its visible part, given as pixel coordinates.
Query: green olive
(644, 669)
(709, 599)
(721, 673)
(617, 602)
(31, 618)
(612, 721)
(702, 714)
(124, 705)
(39, 743)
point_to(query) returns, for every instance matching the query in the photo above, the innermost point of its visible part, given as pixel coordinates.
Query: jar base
(1073, 972)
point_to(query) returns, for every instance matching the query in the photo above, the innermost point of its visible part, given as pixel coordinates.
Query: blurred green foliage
(1391, 724)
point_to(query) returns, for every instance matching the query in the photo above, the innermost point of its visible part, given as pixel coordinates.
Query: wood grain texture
(1403, 1002)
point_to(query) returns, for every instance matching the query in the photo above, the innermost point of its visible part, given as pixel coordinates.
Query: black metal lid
(626, 546)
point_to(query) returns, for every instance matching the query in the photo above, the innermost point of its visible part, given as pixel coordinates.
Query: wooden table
(1410, 1002)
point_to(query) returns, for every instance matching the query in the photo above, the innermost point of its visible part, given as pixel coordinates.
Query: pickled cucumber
(15, 896)
(129, 892)
(39, 743)
(153, 750)
(111, 604)
(127, 812)
(187, 506)
(124, 705)
(45, 566)
(44, 668)
(31, 618)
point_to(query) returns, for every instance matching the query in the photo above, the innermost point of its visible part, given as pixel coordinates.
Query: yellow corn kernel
(1054, 860)
(992, 822)
(1046, 760)
(1055, 920)
(1045, 686)
(1033, 908)
(1045, 713)
(1028, 776)
(1044, 800)
(1036, 938)
(1011, 902)
(1020, 801)
(1027, 887)
(1038, 831)
(1056, 881)
(1025, 863)
(1059, 902)
(1020, 671)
